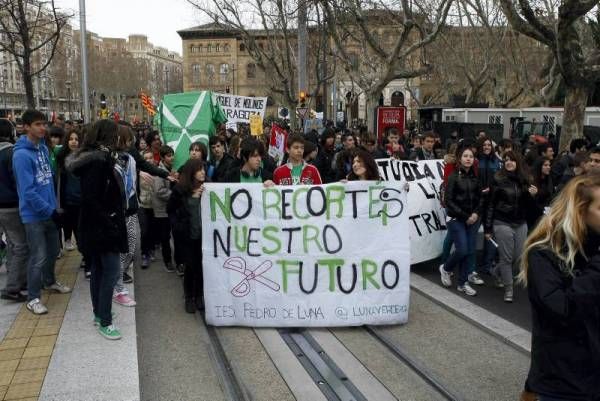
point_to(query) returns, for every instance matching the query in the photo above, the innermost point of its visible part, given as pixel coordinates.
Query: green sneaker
(97, 319)
(110, 332)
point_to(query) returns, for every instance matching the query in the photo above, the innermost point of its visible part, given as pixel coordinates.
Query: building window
(210, 72)
(494, 119)
(209, 48)
(223, 72)
(251, 71)
(226, 48)
(217, 48)
(193, 49)
(196, 73)
(242, 47)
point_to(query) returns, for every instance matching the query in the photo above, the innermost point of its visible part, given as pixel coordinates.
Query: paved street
(487, 297)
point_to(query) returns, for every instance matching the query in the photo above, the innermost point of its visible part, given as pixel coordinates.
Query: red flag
(277, 143)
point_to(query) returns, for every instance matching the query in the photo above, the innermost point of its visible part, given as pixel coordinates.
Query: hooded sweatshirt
(35, 186)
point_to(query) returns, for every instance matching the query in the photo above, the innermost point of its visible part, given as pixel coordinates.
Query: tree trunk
(372, 99)
(29, 94)
(574, 115)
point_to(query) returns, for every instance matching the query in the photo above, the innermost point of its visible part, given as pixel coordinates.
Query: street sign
(388, 117)
(302, 112)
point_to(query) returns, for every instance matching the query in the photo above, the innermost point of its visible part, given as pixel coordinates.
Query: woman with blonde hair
(561, 268)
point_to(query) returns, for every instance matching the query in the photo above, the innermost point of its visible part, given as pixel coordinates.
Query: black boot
(190, 306)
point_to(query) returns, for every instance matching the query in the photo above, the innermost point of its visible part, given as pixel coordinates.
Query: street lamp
(4, 95)
(233, 69)
(68, 85)
(166, 79)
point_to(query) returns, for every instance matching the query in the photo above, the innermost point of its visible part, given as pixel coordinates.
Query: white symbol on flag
(184, 129)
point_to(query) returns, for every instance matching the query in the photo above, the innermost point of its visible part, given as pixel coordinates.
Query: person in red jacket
(296, 171)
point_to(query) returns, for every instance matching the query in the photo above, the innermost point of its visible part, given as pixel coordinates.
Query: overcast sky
(158, 19)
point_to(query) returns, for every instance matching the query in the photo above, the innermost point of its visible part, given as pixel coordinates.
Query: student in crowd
(221, 161)
(577, 167)
(542, 179)
(562, 164)
(103, 234)
(325, 156)
(364, 167)
(38, 209)
(510, 200)
(69, 190)
(371, 146)
(394, 148)
(425, 151)
(342, 161)
(463, 202)
(57, 133)
(145, 213)
(296, 171)
(561, 269)
(154, 144)
(161, 192)
(10, 222)
(592, 164)
(546, 150)
(126, 167)
(185, 216)
(251, 171)
(310, 152)
(489, 164)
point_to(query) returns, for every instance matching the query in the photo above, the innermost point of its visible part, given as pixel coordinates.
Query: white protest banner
(427, 218)
(238, 109)
(300, 256)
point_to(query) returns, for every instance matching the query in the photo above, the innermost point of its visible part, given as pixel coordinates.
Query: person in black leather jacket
(561, 268)
(463, 206)
(506, 218)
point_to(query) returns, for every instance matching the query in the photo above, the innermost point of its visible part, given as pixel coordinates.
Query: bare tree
(31, 30)
(480, 56)
(380, 41)
(268, 30)
(564, 31)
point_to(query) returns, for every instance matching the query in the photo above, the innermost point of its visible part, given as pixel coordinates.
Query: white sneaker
(445, 276)
(69, 245)
(467, 289)
(36, 307)
(475, 279)
(58, 287)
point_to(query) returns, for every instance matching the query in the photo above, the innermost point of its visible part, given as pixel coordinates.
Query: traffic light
(102, 101)
(302, 98)
(227, 89)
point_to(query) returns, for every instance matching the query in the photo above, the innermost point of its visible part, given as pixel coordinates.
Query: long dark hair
(65, 150)
(372, 172)
(187, 182)
(538, 177)
(522, 174)
(101, 133)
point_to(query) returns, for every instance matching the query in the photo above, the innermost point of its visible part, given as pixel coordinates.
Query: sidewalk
(60, 355)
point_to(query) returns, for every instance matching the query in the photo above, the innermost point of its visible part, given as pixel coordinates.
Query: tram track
(416, 361)
(232, 386)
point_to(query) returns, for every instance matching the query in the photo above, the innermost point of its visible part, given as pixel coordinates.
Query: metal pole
(302, 43)
(84, 73)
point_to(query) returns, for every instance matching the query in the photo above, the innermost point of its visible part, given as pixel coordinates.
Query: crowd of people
(113, 193)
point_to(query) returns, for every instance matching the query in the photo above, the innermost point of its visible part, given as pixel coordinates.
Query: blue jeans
(464, 238)
(447, 247)
(42, 241)
(105, 269)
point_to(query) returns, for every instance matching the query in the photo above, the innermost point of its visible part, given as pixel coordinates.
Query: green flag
(184, 118)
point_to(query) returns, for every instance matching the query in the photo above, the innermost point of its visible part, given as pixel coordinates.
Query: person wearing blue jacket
(37, 208)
